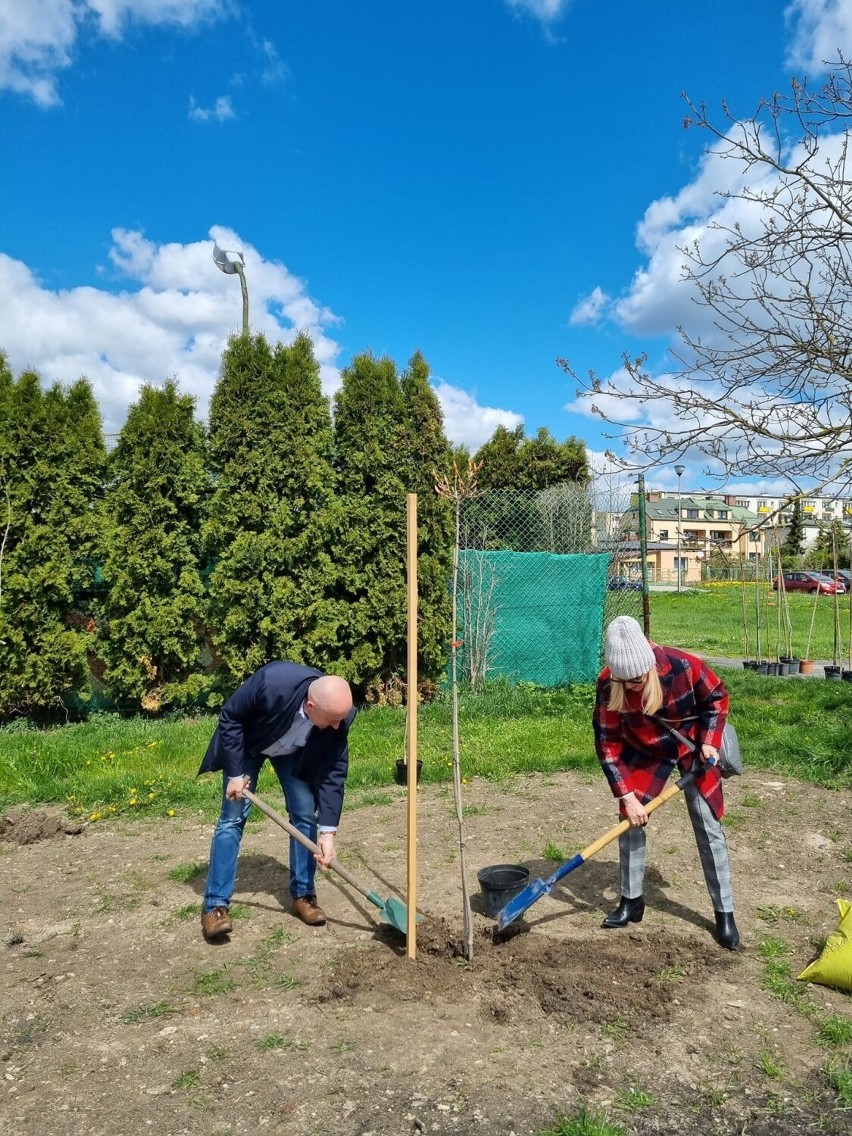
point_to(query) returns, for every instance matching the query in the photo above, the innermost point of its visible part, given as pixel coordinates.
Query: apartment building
(816, 512)
(738, 525)
(683, 531)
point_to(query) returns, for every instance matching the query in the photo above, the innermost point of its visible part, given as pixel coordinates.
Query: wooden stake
(411, 726)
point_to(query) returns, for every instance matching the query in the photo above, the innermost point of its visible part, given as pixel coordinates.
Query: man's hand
(235, 786)
(637, 814)
(325, 840)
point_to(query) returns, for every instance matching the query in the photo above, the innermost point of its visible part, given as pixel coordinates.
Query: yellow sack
(834, 965)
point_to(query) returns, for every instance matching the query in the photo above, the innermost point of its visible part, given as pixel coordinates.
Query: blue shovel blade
(517, 906)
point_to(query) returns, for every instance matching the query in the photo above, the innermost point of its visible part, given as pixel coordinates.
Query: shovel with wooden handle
(538, 888)
(392, 910)
(731, 765)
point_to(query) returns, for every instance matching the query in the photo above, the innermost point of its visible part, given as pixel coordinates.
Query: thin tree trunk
(467, 914)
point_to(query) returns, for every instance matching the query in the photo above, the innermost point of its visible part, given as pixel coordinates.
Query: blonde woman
(643, 689)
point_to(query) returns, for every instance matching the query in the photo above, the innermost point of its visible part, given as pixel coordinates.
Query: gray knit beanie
(627, 652)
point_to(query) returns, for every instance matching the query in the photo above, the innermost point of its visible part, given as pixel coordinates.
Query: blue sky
(496, 183)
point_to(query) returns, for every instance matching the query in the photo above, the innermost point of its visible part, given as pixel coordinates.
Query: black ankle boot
(726, 930)
(628, 911)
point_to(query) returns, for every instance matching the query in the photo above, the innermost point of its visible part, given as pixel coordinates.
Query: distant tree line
(171, 567)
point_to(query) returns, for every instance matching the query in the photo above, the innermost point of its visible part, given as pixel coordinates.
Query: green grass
(839, 1076)
(279, 1041)
(710, 621)
(771, 948)
(585, 1123)
(770, 1065)
(187, 1080)
(110, 766)
(835, 1031)
(213, 983)
(636, 1099)
(148, 1010)
(183, 873)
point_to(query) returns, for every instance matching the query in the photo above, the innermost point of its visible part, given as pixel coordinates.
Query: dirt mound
(28, 826)
(626, 976)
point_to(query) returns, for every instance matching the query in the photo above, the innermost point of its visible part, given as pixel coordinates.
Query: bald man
(298, 718)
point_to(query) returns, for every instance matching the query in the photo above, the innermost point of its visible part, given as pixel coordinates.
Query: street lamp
(678, 470)
(232, 263)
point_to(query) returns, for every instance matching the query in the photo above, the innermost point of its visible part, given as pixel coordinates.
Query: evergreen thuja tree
(270, 444)
(51, 456)
(150, 634)
(430, 458)
(794, 542)
(532, 494)
(372, 444)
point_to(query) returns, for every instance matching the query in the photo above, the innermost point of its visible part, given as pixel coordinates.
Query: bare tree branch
(767, 389)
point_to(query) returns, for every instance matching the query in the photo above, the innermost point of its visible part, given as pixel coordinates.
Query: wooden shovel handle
(335, 865)
(608, 837)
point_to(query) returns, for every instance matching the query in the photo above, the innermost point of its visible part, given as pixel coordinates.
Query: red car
(810, 582)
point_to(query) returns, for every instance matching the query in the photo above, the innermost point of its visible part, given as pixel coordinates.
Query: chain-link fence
(541, 573)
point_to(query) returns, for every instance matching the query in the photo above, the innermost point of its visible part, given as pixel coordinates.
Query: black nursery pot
(401, 773)
(499, 884)
(846, 676)
(832, 673)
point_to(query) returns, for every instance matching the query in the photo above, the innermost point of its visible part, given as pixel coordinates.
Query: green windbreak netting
(532, 616)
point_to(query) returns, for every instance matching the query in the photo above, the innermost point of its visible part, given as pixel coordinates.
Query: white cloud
(274, 69)
(38, 38)
(466, 423)
(221, 110)
(114, 15)
(820, 29)
(173, 319)
(36, 41)
(545, 10)
(589, 309)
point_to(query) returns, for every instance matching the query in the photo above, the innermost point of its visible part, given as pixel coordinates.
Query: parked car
(810, 582)
(841, 576)
(622, 584)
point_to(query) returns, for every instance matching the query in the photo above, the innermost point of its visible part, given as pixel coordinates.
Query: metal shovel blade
(392, 910)
(533, 892)
(538, 888)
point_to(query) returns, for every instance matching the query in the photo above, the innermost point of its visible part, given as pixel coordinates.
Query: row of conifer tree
(163, 571)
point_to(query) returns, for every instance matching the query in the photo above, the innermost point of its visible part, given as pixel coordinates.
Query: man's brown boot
(305, 908)
(215, 923)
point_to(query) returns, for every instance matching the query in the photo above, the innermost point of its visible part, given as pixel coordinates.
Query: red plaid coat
(638, 754)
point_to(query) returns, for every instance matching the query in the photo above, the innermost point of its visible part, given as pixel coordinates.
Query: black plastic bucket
(401, 771)
(499, 884)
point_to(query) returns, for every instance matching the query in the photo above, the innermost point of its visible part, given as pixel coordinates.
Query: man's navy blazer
(261, 711)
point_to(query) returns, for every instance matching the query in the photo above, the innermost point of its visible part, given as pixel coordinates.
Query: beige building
(683, 532)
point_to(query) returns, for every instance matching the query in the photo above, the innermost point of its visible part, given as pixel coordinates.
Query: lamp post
(678, 470)
(231, 263)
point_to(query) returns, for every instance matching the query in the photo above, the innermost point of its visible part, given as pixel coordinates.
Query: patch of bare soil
(29, 826)
(118, 1019)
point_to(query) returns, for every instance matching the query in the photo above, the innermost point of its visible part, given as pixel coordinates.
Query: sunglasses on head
(640, 681)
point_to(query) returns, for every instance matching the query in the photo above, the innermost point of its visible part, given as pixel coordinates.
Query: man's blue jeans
(225, 848)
